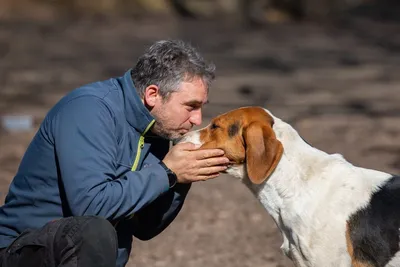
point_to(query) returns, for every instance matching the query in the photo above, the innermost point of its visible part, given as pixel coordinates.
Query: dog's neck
(288, 194)
(289, 183)
(299, 164)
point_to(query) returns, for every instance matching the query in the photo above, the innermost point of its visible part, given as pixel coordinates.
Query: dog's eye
(214, 126)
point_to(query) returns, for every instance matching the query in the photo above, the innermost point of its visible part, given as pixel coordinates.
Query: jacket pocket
(26, 238)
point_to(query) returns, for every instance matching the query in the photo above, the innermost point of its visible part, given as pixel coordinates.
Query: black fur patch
(374, 230)
(233, 129)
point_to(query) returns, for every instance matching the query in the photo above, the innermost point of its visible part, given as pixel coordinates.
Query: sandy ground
(338, 86)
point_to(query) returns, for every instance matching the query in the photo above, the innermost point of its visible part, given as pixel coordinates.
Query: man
(99, 169)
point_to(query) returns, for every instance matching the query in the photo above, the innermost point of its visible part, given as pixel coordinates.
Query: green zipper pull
(141, 142)
(141, 146)
(138, 153)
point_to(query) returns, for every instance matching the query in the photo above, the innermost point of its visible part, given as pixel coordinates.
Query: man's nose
(196, 117)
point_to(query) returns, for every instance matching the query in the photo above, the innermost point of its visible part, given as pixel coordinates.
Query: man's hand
(191, 164)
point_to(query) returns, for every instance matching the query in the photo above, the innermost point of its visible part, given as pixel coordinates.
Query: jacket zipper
(137, 158)
(141, 146)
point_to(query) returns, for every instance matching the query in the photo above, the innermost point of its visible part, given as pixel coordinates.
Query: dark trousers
(68, 242)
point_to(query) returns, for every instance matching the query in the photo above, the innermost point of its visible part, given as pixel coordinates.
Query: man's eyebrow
(195, 103)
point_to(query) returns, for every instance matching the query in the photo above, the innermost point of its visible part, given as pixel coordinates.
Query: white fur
(395, 261)
(310, 195)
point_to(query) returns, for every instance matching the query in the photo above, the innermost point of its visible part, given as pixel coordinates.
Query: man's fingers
(211, 170)
(213, 161)
(208, 153)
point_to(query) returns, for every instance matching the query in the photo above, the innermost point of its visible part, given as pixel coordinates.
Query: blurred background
(328, 67)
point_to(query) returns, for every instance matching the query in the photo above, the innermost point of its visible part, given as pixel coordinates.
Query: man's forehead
(193, 85)
(192, 95)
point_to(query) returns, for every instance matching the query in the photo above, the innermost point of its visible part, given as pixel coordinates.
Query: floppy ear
(263, 151)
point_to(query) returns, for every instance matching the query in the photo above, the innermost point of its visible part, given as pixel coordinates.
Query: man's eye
(190, 108)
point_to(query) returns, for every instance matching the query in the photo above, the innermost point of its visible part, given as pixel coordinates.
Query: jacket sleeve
(153, 219)
(86, 150)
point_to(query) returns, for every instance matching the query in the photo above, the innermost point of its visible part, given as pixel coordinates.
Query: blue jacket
(92, 156)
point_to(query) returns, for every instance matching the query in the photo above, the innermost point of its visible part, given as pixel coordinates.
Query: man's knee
(90, 229)
(99, 230)
(94, 238)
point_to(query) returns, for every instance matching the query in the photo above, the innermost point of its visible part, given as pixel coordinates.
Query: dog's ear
(263, 151)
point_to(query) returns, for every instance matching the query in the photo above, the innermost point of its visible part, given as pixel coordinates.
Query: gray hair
(167, 63)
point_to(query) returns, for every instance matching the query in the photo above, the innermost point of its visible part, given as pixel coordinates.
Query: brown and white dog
(330, 212)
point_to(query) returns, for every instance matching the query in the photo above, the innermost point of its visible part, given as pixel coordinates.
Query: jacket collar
(137, 115)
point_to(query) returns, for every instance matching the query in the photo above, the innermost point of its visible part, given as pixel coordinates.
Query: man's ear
(263, 151)
(151, 95)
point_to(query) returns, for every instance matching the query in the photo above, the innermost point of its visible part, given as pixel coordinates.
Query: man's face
(177, 114)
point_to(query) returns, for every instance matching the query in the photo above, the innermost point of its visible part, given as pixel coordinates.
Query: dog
(329, 212)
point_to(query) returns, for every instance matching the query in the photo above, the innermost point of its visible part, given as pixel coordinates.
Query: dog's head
(247, 137)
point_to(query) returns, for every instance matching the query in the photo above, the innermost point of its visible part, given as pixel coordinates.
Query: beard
(160, 131)
(160, 128)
